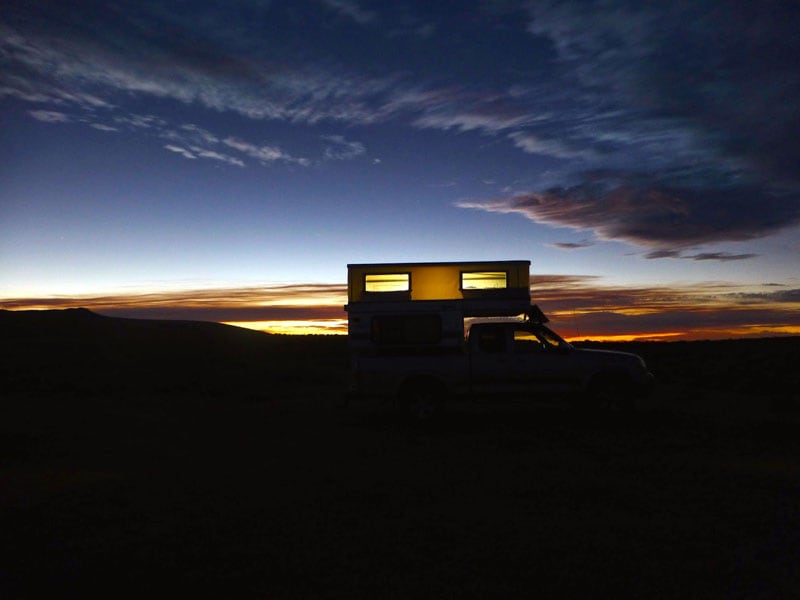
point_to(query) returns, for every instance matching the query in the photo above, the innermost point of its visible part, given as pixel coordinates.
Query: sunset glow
(287, 327)
(578, 307)
(639, 337)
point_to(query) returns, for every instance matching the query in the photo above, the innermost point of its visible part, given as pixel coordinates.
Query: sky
(225, 161)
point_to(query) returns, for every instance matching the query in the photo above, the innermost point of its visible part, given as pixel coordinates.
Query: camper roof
(476, 263)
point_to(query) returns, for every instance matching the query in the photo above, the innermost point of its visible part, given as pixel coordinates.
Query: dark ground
(142, 457)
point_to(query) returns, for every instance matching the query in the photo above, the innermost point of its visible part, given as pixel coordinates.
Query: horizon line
(579, 308)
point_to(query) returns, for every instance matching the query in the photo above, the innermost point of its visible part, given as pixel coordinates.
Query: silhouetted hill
(83, 323)
(78, 351)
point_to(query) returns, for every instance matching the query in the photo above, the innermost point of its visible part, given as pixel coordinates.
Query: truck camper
(422, 306)
(425, 332)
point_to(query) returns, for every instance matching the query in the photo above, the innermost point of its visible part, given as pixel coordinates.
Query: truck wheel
(611, 394)
(423, 401)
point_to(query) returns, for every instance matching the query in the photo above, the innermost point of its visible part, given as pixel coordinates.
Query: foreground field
(235, 472)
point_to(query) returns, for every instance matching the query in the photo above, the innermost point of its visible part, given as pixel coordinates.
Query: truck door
(538, 366)
(490, 354)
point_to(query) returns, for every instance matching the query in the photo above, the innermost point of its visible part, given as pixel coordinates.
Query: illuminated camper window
(387, 282)
(484, 280)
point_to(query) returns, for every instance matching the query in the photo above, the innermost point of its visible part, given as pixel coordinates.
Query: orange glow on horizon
(579, 307)
(744, 331)
(626, 337)
(296, 327)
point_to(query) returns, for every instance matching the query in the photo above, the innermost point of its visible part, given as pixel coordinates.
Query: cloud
(424, 30)
(618, 83)
(195, 152)
(582, 307)
(171, 56)
(663, 253)
(49, 116)
(192, 141)
(196, 142)
(200, 133)
(351, 9)
(338, 148)
(682, 81)
(145, 122)
(265, 154)
(179, 150)
(486, 115)
(791, 296)
(257, 303)
(163, 60)
(680, 116)
(103, 127)
(648, 212)
(572, 245)
(721, 256)
(218, 156)
(533, 144)
(262, 153)
(701, 256)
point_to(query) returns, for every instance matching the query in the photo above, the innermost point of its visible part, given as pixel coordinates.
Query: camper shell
(424, 305)
(463, 281)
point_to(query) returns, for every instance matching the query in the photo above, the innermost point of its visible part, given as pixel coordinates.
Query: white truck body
(504, 360)
(417, 350)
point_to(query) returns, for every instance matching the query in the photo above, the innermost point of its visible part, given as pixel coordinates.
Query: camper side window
(484, 280)
(387, 282)
(403, 330)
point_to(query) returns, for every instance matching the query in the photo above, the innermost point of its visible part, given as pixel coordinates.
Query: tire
(423, 400)
(611, 394)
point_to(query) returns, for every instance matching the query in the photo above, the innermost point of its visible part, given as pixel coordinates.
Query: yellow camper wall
(431, 281)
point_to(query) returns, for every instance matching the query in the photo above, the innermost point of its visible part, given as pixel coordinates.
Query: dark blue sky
(161, 146)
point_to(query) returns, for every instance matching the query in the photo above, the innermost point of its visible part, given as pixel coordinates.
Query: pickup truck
(502, 360)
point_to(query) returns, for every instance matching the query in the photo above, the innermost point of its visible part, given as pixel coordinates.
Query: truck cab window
(492, 340)
(525, 342)
(551, 339)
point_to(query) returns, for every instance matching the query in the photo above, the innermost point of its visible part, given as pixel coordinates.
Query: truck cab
(528, 358)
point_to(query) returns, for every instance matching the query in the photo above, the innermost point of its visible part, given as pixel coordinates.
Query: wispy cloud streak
(292, 302)
(352, 10)
(49, 116)
(339, 148)
(585, 307)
